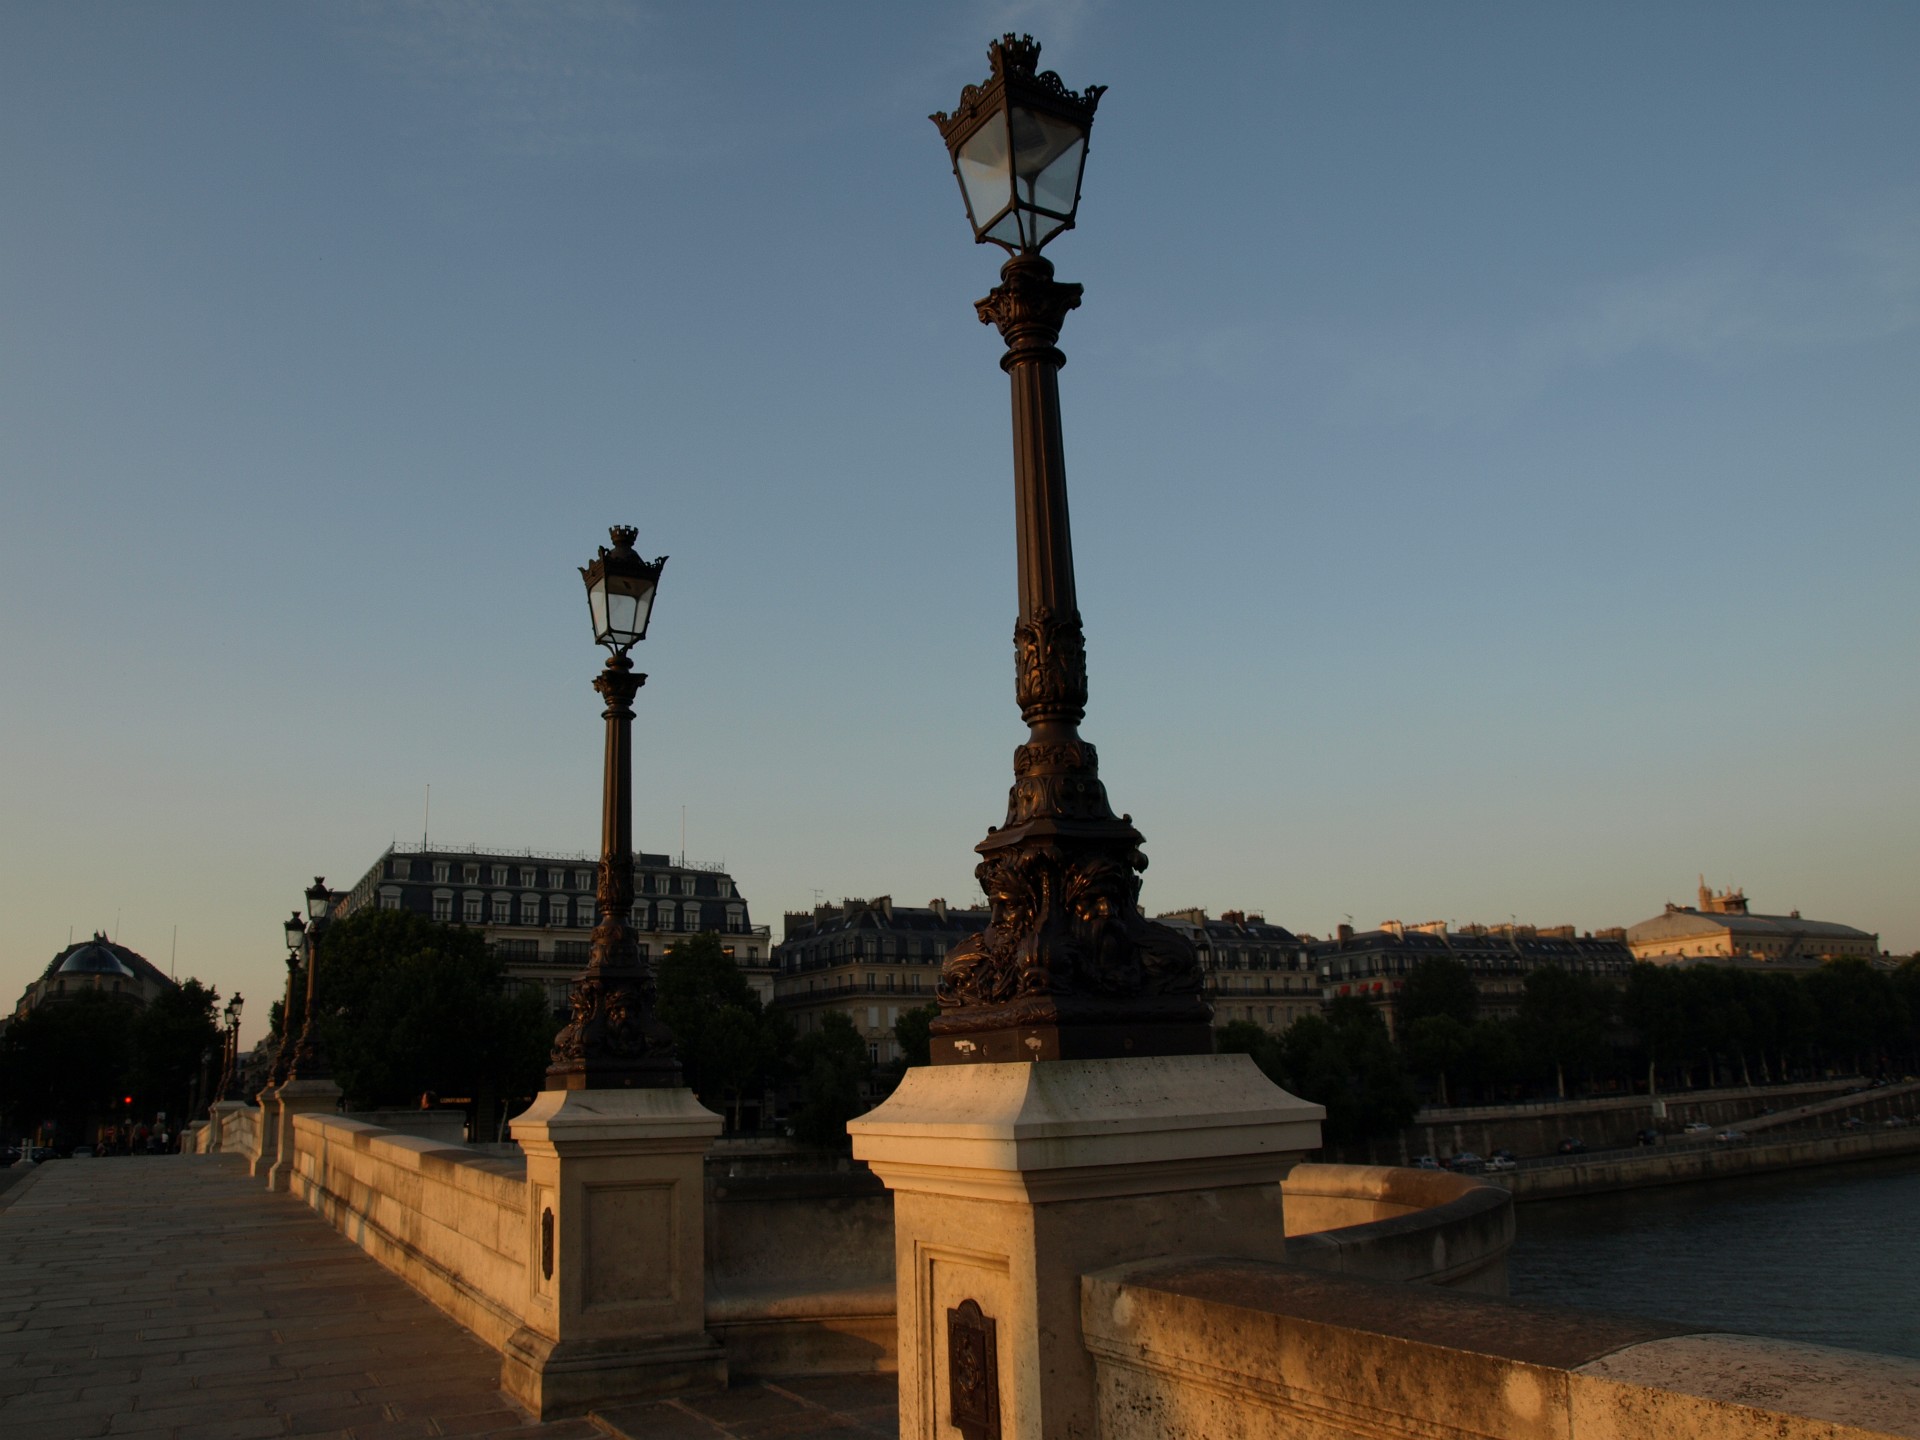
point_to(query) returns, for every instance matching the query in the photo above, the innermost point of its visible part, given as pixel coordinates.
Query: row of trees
(1667, 1028)
(93, 1060)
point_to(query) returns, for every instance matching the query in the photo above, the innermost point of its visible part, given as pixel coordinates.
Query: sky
(1491, 431)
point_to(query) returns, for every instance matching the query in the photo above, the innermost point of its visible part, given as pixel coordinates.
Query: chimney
(939, 907)
(1343, 932)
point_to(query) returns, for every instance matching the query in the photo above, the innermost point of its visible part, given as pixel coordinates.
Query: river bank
(1659, 1165)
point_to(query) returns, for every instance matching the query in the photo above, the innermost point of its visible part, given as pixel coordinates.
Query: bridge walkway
(173, 1298)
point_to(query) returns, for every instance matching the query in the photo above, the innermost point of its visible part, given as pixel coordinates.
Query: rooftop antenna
(173, 954)
(426, 819)
(683, 837)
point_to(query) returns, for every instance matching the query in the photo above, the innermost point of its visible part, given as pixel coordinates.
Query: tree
(832, 1060)
(912, 1034)
(1438, 986)
(730, 1047)
(1435, 1045)
(1563, 1018)
(70, 1062)
(171, 1035)
(1345, 1061)
(406, 1005)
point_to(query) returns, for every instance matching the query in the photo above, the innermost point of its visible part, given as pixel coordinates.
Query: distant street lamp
(296, 930)
(1068, 967)
(308, 1062)
(612, 1038)
(229, 1086)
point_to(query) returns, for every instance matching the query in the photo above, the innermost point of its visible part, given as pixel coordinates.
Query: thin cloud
(1860, 286)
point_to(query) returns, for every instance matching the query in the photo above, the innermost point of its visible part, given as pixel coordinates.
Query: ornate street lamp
(1068, 967)
(308, 1062)
(296, 930)
(229, 1086)
(612, 1037)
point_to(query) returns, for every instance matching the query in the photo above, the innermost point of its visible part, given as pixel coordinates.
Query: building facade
(536, 909)
(870, 960)
(1252, 970)
(1721, 928)
(1374, 964)
(99, 966)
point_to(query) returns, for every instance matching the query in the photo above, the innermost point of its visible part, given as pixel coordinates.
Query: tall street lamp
(612, 1038)
(308, 1062)
(1068, 966)
(229, 1088)
(296, 931)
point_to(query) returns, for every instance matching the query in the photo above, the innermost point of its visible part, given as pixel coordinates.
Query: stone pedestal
(616, 1214)
(266, 1134)
(296, 1097)
(217, 1123)
(1011, 1181)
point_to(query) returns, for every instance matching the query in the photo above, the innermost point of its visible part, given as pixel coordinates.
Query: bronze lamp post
(229, 1086)
(1068, 966)
(296, 931)
(612, 1037)
(307, 1061)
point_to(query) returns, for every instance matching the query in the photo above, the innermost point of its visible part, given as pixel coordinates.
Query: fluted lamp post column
(612, 1038)
(1068, 966)
(309, 1087)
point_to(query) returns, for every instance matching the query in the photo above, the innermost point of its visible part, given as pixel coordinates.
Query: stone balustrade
(1269, 1351)
(450, 1222)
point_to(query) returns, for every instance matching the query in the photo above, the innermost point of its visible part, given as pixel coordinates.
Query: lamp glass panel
(1058, 183)
(1040, 143)
(318, 906)
(629, 598)
(1007, 230)
(597, 602)
(294, 932)
(1042, 227)
(985, 164)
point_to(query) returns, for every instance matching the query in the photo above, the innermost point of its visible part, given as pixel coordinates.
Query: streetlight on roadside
(1068, 966)
(307, 1061)
(296, 932)
(229, 1087)
(612, 1038)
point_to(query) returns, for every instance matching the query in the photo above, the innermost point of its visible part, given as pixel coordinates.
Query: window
(440, 869)
(873, 1017)
(443, 907)
(399, 869)
(390, 901)
(872, 982)
(529, 909)
(583, 880)
(503, 909)
(574, 951)
(686, 884)
(583, 911)
(470, 874)
(499, 875)
(470, 909)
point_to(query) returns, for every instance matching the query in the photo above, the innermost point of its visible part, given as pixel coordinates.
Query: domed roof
(95, 958)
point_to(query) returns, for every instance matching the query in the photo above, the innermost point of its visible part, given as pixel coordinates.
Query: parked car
(1573, 1146)
(1467, 1163)
(1894, 1121)
(1853, 1122)
(1503, 1154)
(1646, 1137)
(1425, 1162)
(1496, 1163)
(1731, 1134)
(83, 1152)
(1698, 1127)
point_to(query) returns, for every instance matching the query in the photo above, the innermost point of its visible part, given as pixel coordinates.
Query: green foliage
(1342, 1060)
(407, 1005)
(730, 1047)
(911, 1032)
(831, 1060)
(1438, 1045)
(1438, 986)
(75, 1061)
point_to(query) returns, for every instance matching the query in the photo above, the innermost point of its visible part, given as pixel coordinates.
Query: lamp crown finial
(1015, 54)
(623, 536)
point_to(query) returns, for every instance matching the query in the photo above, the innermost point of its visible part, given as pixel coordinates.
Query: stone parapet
(1199, 1349)
(1393, 1224)
(450, 1223)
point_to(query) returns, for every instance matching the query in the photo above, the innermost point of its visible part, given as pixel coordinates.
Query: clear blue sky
(1492, 428)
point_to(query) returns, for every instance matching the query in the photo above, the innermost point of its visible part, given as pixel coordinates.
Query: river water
(1830, 1256)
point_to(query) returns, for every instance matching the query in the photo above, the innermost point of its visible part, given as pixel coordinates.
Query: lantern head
(1019, 144)
(620, 591)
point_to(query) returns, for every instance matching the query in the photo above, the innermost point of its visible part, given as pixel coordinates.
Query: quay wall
(1656, 1165)
(451, 1223)
(1190, 1350)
